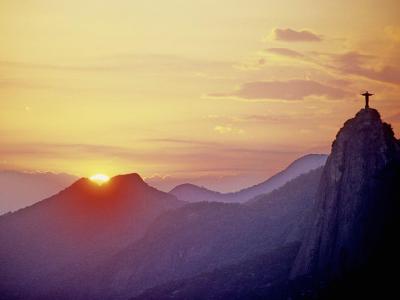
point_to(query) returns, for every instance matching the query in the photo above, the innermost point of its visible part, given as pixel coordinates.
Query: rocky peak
(132, 179)
(356, 203)
(117, 183)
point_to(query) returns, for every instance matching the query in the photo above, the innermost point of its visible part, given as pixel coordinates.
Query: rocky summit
(352, 237)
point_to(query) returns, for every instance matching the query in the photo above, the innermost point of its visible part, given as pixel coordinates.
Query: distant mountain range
(329, 233)
(21, 189)
(192, 193)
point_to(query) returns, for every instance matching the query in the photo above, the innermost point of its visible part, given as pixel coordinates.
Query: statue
(366, 95)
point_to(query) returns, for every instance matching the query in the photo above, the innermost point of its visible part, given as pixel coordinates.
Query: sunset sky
(220, 93)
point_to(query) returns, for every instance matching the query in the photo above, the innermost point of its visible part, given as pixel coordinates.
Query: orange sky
(219, 90)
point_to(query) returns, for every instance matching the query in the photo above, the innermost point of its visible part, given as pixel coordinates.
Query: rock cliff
(352, 234)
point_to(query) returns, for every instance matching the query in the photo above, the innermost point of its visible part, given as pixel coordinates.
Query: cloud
(268, 118)
(360, 64)
(284, 52)
(222, 129)
(187, 152)
(181, 141)
(21, 84)
(296, 89)
(140, 66)
(126, 63)
(65, 150)
(290, 35)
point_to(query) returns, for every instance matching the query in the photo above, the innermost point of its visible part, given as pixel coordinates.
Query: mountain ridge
(193, 193)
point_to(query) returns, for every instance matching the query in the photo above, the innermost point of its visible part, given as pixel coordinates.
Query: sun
(99, 178)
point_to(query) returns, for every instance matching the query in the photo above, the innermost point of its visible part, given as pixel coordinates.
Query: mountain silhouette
(193, 193)
(43, 244)
(351, 244)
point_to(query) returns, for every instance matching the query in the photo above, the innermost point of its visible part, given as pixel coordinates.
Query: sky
(220, 93)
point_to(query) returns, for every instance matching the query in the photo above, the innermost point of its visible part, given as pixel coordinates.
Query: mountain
(328, 234)
(21, 189)
(351, 247)
(196, 193)
(192, 193)
(201, 237)
(46, 243)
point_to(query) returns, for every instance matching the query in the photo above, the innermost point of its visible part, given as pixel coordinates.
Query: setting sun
(99, 178)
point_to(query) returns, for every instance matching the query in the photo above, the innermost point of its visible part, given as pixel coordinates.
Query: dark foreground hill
(257, 278)
(351, 247)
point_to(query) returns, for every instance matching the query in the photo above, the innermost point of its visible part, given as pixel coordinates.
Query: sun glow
(99, 178)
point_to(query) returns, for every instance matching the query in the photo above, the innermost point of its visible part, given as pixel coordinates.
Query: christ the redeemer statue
(366, 95)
